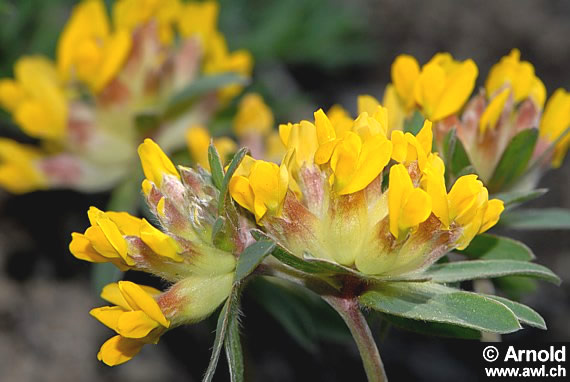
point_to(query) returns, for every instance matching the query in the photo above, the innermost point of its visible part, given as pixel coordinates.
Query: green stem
(350, 312)
(346, 305)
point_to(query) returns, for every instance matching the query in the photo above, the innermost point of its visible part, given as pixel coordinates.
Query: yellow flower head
(260, 187)
(130, 14)
(517, 75)
(408, 148)
(444, 85)
(88, 49)
(253, 116)
(35, 98)
(554, 122)
(199, 19)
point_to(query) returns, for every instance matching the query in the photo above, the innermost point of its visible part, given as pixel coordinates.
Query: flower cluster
(328, 199)
(114, 81)
(510, 103)
(184, 253)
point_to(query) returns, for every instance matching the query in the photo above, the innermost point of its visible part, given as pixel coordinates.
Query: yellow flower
(136, 318)
(493, 111)
(130, 14)
(408, 206)
(405, 73)
(301, 137)
(253, 116)
(36, 98)
(18, 172)
(519, 76)
(396, 112)
(444, 85)
(88, 49)
(340, 119)
(554, 122)
(199, 19)
(155, 163)
(260, 187)
(408, 148)
(198, 139)
(218, 59)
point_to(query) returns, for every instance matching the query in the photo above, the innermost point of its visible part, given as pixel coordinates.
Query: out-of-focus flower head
(115, 81)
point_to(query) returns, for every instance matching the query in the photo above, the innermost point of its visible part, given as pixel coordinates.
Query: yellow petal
(112, 293)
(458, 87)
(425, 137)
(466, 198)
(400, 185)
(493, 111)
(405, 72)
(253, 116)
(492, 214)
(340, 119)
(118, 350)
(11, 94)
(155, 163)
(126, 223)
(367, 103)
(135, 324)
(344, 160)
(433, 182)
(116, 51)
(325, 130)
(399, 146)
(139, 299)
(396, 112)
(242, 192)
(415, 209)
(161, 244)
(100, 243)
(108, 315)
(198, 139)
(81, 248)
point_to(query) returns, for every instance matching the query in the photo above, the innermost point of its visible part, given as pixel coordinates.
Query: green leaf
(234, 164)
(438, 303)
(216, 168)
(433, 328)
(200, 86)
(414, 123)
(537, 219)
(459, 159)
(525, 314)
(515, 198)
(227, 314)
(514, 160)
(234, 353)
(492, 247)
(515, 287)
(251, 257)
(485, 269)
(103, 274)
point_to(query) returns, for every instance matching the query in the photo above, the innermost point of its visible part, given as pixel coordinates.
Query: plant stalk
(350, 312)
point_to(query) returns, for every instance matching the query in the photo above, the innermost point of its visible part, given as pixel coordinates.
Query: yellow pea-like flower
(396, 112)
(492, 214)
(444, 85)
(493, 111)
(367, 103)
(129, 14)
(408, 148)
(35, 98)
(303, 138)
(18, 172)
(405, 72)
(198, 140)
(253, 116)
(89, 49)
(135, 318)
(519, 76)
(199, 19)
(159, 242)
(155, 162)
(408, 206)
(356, 162)
(340, 119)
(260, 187)
(433, 182)
(554, 122)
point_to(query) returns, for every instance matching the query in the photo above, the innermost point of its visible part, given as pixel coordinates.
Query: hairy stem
(345, 303)
(350, 312)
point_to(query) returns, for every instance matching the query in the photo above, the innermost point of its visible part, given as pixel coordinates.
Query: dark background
(309, 54)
